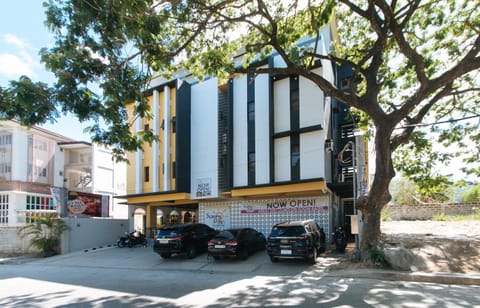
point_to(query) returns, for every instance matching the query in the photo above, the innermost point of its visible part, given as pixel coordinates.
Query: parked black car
(296, 240)
(238, 243)
(189, 239)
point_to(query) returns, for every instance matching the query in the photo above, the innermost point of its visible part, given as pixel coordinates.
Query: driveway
(144, 258)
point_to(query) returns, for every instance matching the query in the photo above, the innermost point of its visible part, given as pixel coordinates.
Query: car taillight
(210, 243)
(234, 243)
(178, 238)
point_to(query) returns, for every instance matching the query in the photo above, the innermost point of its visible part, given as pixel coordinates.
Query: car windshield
(227, 234)
(288, 231)
(168, 232)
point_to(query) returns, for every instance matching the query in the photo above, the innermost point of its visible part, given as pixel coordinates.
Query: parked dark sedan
(237, 243)
(188, 239)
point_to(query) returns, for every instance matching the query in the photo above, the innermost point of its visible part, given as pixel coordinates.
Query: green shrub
(376, 255)
(440, 217)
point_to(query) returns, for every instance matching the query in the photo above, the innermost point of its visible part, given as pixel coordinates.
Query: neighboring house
(90, 169)
(252, 151)
(40, 168)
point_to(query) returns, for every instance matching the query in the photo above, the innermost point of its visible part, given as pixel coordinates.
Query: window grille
(3, 209)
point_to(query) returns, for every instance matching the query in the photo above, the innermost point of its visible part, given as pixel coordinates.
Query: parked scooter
(340, 239)
(132, 239)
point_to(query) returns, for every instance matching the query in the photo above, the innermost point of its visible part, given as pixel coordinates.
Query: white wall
(282, 159)
(19, 155)
(311, 103)
(85, 233)
(204, 140)
(281, 98)
(312, 155)
(240, 138)
(262, 130)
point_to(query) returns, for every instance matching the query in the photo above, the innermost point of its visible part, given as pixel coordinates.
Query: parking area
(144, 258)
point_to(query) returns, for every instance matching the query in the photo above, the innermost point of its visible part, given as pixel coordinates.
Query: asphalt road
(113, 277)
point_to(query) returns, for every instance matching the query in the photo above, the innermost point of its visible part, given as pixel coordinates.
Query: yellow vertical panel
(173, 139)
(130, 156)
(161, 141)
(147, 154)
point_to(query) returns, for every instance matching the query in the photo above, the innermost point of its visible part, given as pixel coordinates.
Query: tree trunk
(371, 206)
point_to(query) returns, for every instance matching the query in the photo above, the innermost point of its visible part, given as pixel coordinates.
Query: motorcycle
(340, 239)
(132, 239)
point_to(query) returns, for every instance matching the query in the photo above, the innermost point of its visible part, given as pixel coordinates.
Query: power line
(440, 122)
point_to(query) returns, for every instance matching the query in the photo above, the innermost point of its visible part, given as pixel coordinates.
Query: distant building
(41, 170)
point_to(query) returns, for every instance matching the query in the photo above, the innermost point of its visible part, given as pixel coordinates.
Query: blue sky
(22, 35)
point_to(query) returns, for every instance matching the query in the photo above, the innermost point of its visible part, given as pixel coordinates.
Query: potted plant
(45, 232)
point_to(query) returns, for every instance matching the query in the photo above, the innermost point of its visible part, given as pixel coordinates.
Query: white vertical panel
(155, 149)
(240, 131)
(282, 159)
(138, 160)
(311, 102)
(281, 99)
(312, 155)
(262, 130)
(166, 138)
(204, 132)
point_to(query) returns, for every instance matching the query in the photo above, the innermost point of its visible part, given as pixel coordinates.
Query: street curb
(441, 278)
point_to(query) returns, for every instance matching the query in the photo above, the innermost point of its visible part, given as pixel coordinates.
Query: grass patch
(443, 217)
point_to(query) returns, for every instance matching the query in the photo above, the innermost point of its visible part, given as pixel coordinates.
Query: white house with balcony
(39, 169)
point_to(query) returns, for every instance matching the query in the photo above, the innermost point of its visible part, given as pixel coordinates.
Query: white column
(166, 132)
(155, 150)
(138, 160)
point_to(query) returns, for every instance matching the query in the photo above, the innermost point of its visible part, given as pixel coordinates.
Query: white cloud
(14, 40)
(13, 66)
(18, 58)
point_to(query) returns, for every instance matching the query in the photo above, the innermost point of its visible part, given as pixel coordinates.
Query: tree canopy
(414, 62)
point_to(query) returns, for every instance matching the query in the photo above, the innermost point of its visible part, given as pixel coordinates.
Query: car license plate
(219, 246)
(285, 252)
(163, 241)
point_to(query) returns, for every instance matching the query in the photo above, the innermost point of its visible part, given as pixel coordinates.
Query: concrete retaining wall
(86, 233)
(12, 243)
(428, 211)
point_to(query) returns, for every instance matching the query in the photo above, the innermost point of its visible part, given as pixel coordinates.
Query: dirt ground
(439, 246)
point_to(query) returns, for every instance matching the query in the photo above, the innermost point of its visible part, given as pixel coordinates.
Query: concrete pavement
(145, 259)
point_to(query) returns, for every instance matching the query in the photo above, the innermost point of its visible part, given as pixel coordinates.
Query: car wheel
(216, 257)
(313, 259)
(165, 255)
(273, 259)
(191, 252)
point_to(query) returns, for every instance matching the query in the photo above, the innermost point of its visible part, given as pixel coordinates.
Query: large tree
(413, 61)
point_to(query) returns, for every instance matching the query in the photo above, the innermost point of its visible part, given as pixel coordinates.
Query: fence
(428, 211)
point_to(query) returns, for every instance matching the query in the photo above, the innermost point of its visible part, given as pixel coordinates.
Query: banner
(284, 205)
(86, 205)
(218, 216)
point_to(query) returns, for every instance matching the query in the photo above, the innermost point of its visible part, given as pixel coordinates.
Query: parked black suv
(189, 239)
(296, 240)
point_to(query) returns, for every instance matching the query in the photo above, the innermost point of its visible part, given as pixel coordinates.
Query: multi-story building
(31, 164)
(249, 151)
(40, 171)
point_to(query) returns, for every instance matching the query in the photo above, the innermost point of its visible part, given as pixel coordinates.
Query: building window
(3, 209)
(174, 124)
(174, 169)
(251, 111)
(251, 162)
(146, 127)
(5, 139)
(37, 205)
(146, 174)
(295, 158)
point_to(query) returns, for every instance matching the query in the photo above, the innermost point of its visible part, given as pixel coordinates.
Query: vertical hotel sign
(284, 205)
